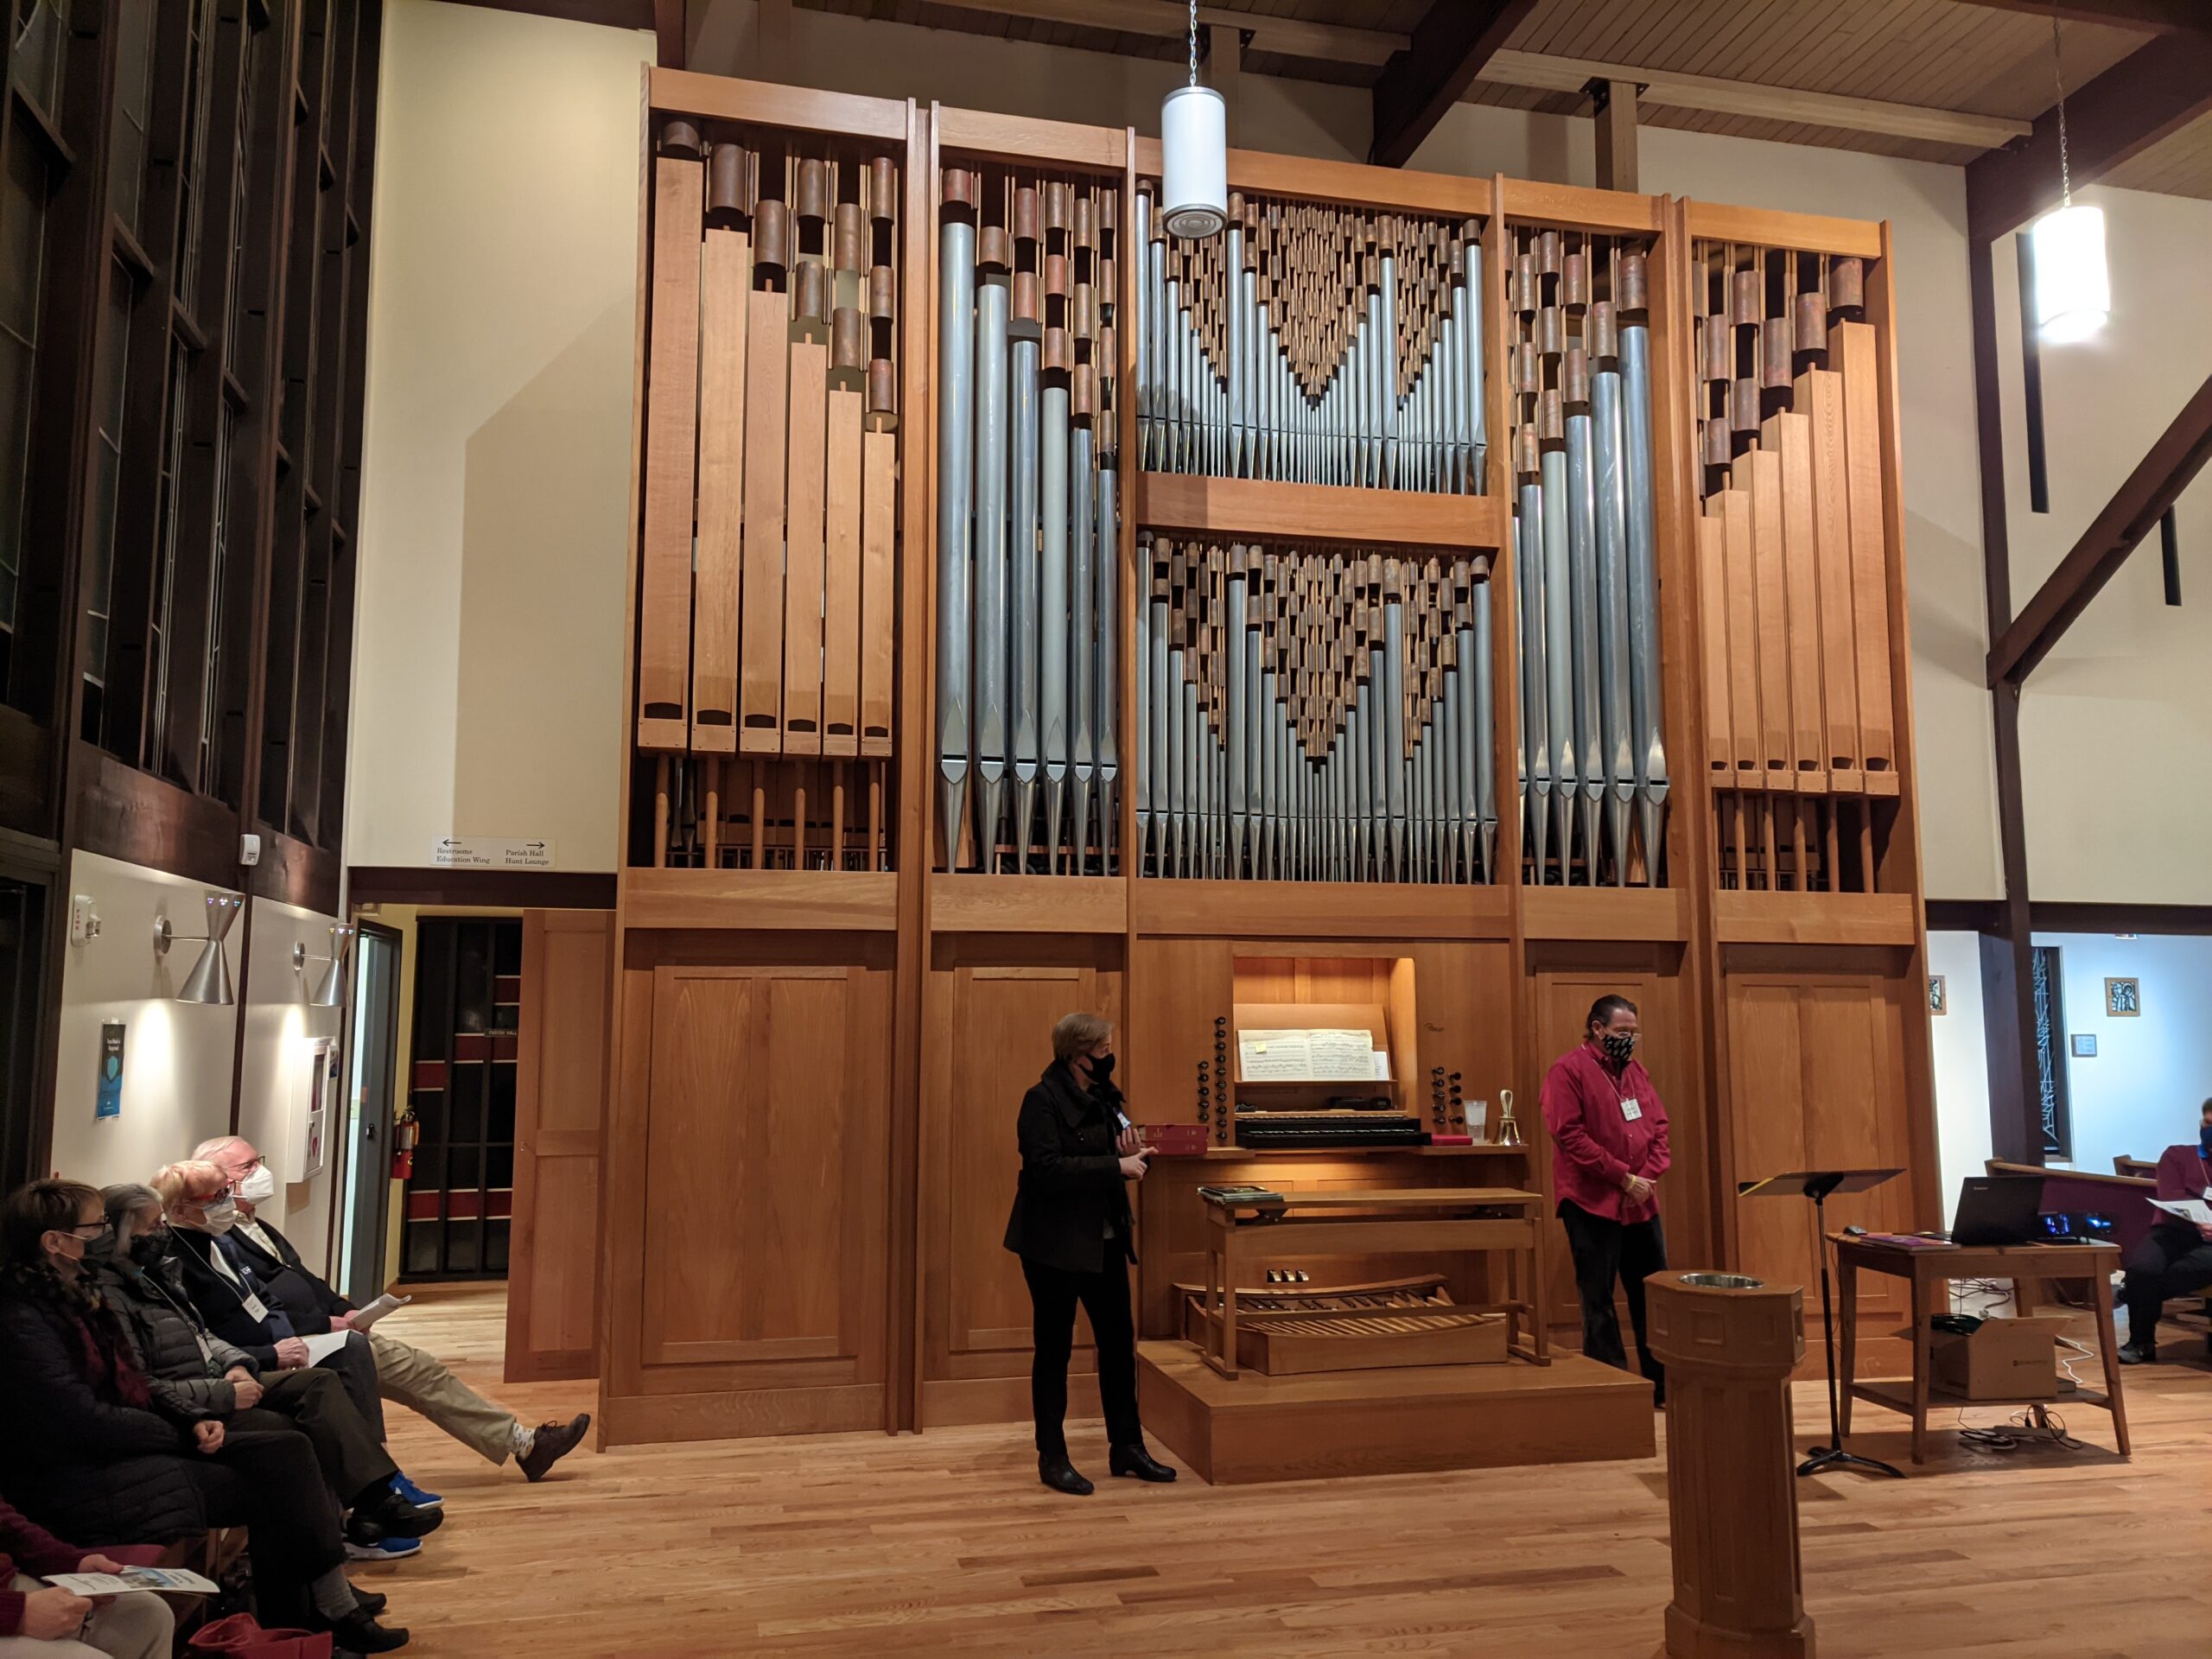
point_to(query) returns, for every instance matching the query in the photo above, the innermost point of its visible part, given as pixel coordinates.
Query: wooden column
(1729, 1344)
(1612, 103)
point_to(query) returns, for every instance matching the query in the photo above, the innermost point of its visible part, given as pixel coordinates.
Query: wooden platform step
(1387, 1422)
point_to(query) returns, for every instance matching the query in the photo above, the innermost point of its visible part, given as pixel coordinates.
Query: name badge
(1631, 1111)
(252, 1305)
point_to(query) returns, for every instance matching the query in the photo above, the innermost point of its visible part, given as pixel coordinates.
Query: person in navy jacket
(1609, 1138)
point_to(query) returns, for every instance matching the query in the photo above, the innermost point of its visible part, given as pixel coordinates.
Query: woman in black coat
(105, 1453)
(1071, 1228)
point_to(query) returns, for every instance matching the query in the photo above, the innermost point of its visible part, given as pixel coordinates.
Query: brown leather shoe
(550, 1443)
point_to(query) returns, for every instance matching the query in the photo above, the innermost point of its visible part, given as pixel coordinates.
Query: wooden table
(1930, 1270)
(1421, 1220)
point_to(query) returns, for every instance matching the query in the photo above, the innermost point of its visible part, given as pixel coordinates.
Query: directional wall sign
(493, 852)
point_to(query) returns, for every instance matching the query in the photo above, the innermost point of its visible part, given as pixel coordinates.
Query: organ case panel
(769, 544)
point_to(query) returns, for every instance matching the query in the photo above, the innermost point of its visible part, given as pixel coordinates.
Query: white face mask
(259, 1187)
(220, 1216)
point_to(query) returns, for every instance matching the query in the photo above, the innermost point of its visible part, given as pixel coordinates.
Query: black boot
(1135, 1461)
(1059, 1474)
(358, 1632)
(2144, 1353)
(390, 1515)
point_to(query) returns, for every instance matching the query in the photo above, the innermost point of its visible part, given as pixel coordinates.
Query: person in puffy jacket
(118, 1456)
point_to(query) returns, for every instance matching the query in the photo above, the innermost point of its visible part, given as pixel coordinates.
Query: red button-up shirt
(1598, 1146)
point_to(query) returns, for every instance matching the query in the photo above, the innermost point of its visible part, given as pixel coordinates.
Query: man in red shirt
(1609, 1136)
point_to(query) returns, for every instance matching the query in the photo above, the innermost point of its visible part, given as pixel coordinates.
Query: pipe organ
(767, 553)
(1028, 524)
(1592, 760)
(1311, 713)
(1312, 343)
(1791, 568)
(1301, 629)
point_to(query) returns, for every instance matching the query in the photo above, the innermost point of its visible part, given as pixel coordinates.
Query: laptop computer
(1997, 1210)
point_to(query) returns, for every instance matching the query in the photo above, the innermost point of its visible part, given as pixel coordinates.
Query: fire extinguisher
(404, 1134)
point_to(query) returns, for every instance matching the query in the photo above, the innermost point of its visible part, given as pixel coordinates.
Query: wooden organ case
(1314, 626)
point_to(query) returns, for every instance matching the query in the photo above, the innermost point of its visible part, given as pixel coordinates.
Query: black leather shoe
(358, 1632)
(1059, 1474)
(395, 1516)
(1135, 1461)
(550, 1443)
(373, 1602)
(2130, 1354)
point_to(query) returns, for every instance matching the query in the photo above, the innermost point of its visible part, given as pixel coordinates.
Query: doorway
(461, 1087)
(373, 1051)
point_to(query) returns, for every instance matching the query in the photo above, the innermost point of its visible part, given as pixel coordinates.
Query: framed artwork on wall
(2085, 1045)
(2124, 998)
(1938, 996)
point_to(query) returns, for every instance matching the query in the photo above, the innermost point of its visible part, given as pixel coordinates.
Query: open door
(568, 978)
(372, 1048)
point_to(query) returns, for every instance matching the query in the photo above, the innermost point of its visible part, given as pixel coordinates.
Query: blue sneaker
(414, 1494)
(385, 1549)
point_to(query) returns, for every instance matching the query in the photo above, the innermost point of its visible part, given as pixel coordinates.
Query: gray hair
(1079, 1033)
(209, 1151)
(124, 1201)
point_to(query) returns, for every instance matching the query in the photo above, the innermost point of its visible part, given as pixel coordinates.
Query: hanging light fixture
(330, 984)
(1194, 154)
(209, 981)
(2073, 291)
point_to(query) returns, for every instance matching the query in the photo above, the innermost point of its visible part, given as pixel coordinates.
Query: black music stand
(1816, 1185)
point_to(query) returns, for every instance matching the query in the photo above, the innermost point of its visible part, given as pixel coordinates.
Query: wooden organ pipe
(1592, 763)
(766, 597)
(1028, 524)
(1792, 569)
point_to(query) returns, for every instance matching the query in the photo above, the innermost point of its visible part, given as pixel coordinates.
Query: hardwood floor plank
(864, 1544)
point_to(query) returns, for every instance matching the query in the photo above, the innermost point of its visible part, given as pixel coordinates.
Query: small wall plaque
(2124, 998)
(1939, 1000)
(2085, 1045)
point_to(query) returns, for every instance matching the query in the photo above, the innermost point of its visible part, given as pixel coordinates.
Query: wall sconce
(209, 981)
(330, 986)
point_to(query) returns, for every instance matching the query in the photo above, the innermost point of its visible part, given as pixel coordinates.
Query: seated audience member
(177, 1350)
(95, 1451)
(2175, 1258)
(237, 1307)
(38, 1621)
(407, 1375)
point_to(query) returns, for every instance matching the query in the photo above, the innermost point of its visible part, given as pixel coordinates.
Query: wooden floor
(865, 1544)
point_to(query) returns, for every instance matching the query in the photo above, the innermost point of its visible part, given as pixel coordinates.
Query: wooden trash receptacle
(1729, 1343)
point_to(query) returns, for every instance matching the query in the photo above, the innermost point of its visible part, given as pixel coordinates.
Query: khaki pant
(416, 1380)
(135, 1626)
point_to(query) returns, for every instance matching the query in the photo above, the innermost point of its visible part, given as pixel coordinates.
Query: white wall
(2121, 699)
(2141, 1094)
(1961, 1055)
(280, 1030)
(488, 660)
(177, 1057)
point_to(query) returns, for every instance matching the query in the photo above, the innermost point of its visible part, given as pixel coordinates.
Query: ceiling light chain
(2058, 79)
(1194, 42)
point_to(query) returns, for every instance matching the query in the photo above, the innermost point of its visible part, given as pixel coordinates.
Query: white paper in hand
(364, 1317)
(322, 1347)
(2194, 1210)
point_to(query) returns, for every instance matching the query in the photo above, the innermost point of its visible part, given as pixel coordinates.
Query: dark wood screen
(462, 1088)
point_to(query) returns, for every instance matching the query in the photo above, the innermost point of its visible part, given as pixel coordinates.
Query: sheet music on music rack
(1321, 1054)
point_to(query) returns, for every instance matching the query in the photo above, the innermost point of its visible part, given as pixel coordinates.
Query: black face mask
(99, 1252)
(148, 1248)
(1618, 1045)
(1102, 1067)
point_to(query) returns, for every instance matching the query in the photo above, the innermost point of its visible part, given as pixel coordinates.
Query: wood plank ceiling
(1937, 54)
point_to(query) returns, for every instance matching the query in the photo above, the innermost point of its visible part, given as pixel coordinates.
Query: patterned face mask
(1618, 1045)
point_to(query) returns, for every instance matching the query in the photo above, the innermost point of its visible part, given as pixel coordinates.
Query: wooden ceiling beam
(668, 33)
(1452, 45)
(1287, 37)
(609, 14)
(2162, 15)
(1544, 72)
(2147, 96)
(2158, 478)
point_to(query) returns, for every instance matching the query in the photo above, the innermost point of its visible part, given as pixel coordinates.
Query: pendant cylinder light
(2073, 292)
(1194, 154)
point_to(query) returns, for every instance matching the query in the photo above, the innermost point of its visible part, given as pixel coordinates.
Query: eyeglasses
(89, 1229)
